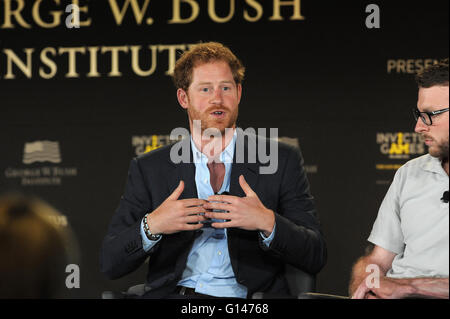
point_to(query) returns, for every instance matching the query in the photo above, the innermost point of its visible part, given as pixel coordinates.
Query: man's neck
(212, 147)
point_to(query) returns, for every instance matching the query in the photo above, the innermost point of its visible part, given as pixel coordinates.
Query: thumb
(359, 292)
(245, 187)
(177, 192)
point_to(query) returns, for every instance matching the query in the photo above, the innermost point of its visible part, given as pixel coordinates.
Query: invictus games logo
(145, 143)
(399, 145)
(41, 174)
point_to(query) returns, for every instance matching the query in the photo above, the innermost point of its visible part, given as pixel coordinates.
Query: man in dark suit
(216, 224)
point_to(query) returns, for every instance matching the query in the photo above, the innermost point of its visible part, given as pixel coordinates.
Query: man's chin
(222, 127)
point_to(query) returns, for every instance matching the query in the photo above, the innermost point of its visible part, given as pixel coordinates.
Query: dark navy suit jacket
(152, 177)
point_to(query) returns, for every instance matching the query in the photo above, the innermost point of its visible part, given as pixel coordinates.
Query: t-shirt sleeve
(386, 231)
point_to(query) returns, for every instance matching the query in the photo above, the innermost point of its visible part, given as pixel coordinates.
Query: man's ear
(239, 92)
(183, 98)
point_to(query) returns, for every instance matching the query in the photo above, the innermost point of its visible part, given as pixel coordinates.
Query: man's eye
(226, 88)
(205, 89)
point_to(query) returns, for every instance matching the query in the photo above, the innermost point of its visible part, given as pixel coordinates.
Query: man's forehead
(214, 71)
(433, 98)
(199, 62)
(213, 64)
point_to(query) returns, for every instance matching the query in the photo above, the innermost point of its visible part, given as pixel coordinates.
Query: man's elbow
(108, 266)
(108, 269)
(316, 257)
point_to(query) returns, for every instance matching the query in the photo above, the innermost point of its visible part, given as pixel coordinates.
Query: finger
(230, 199)
(356, 293)
(192, 202)
(194, 219)
(245, 187)
(218, 215)
(223, 225)
(221, 206)
(192, 226)
(194, 210)
(360, 292)
(177, 192)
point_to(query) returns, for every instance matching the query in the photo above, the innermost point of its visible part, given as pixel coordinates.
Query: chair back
(299, 281)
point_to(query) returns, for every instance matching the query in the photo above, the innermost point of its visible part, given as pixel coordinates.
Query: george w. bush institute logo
(41, 151)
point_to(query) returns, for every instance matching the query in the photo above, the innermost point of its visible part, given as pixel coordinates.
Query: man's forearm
(429, 287)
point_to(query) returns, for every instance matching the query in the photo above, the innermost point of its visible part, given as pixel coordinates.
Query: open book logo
(41, 151)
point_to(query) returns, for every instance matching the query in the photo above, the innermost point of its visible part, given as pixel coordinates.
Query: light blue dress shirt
(208, 268)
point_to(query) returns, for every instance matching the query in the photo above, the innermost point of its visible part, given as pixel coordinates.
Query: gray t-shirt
(413, 221)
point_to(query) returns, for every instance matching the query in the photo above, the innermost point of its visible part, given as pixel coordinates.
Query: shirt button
(219, 253)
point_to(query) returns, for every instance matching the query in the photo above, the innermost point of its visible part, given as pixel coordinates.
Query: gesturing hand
(175, 215)
(243, 212)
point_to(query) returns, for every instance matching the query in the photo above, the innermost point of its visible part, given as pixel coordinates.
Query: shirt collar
(225, 157)
(433, 164)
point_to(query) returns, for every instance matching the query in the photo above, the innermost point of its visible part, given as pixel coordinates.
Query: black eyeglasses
(427, 116)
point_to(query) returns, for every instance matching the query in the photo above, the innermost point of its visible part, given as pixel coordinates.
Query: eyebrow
(221, 82)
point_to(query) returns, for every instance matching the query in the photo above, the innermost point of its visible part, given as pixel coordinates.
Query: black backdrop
(343, 91)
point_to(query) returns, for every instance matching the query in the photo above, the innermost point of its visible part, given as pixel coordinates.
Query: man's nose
(420, 126)
(217, 96)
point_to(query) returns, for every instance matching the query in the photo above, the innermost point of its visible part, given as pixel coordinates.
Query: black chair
(299, 281)
(132, 292)
(300, 285)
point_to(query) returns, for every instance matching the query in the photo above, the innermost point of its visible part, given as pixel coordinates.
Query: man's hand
(389, 288)
(243, 212)
(175, 215)
(399, 288)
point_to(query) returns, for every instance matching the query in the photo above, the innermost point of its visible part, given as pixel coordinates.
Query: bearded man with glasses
(410, 253)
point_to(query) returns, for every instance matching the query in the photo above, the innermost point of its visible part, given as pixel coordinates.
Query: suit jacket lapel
(249, 170)
(185, 172)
